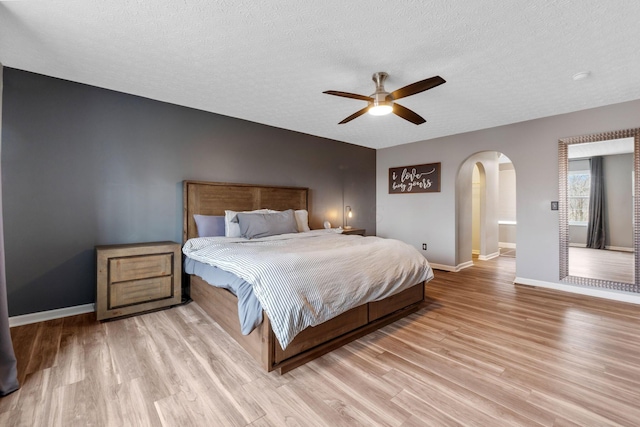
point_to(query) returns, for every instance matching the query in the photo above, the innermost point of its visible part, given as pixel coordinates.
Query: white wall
(507, 193)
(475, 209)
(507, 205)
(618, 183)
(533, 148)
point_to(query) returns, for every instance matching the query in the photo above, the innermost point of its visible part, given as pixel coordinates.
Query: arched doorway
(485, 208)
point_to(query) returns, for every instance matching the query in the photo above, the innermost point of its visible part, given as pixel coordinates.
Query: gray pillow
(256, 225)
(209, 225)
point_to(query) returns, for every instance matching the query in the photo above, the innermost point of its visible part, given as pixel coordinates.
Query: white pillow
(232, 229)
(302, 219)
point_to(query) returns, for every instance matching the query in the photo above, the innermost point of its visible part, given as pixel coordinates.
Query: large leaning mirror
(599, 210)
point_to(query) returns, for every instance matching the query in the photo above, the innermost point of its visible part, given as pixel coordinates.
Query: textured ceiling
(268, 62)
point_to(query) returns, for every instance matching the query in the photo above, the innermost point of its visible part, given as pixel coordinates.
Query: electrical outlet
(424, 246)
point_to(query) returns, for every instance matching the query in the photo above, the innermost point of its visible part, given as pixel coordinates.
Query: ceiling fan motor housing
(380, 95)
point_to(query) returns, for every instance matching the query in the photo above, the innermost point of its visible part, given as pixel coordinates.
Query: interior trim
(563, 157)
(621, 296)
(489, 256)
(451, 268)
(43, 316)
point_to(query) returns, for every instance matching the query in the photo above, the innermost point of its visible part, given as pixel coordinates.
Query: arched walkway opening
(485, 208)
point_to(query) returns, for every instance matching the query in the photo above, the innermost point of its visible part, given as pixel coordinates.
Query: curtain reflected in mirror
(598, 210)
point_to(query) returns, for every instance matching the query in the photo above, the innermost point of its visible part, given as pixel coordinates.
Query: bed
(212, 198)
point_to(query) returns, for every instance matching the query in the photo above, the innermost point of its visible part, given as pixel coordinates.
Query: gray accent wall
(84, 166)
(532, 146)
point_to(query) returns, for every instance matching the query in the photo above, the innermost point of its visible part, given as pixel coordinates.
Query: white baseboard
(611, 248)
(507, 245)
(594, 292)
(41, 316)
(464, 265)
(619, 248)
(451, 268)
(488, 257)
(442, 267)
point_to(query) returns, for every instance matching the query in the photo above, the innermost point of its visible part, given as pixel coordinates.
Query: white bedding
(304, 279)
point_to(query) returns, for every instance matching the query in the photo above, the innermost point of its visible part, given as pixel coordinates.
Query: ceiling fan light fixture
(380, 108)
(382, 102)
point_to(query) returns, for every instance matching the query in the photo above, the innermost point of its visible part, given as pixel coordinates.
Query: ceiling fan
(382, 102)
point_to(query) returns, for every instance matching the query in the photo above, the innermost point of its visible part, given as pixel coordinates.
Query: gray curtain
(595, 227)
(8, 365)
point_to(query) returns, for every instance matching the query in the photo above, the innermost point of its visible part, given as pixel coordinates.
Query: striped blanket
(304, 279)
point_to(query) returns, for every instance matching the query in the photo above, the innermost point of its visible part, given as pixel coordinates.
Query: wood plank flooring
(482, 352)
(617, 266)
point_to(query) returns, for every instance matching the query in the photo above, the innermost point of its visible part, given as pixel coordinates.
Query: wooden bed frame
(212, 198)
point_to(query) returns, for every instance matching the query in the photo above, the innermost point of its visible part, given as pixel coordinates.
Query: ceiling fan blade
(355, 115)
(416, 87)
(407, 114)
(349, 95)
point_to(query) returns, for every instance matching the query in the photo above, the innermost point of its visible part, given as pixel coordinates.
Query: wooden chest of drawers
(137, 277)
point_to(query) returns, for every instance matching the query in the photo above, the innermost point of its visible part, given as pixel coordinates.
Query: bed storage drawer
(319, 334)
(395, 302)
(137, 277)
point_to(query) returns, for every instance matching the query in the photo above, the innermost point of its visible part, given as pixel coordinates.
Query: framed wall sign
(415, 179)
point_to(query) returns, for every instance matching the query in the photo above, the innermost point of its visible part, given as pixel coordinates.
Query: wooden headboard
(213, 198)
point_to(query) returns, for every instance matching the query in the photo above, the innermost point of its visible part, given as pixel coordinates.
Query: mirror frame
(563, 163)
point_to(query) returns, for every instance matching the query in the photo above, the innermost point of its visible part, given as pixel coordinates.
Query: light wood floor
(482, 353)
(617, 266)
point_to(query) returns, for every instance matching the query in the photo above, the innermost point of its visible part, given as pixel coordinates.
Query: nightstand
(137, 277)
(359, 231)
